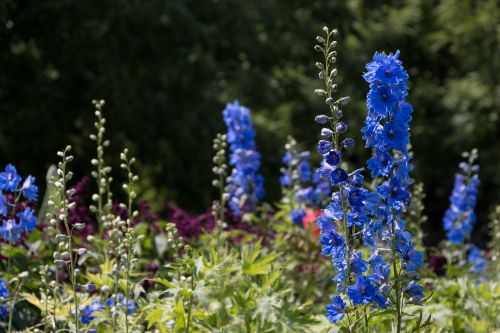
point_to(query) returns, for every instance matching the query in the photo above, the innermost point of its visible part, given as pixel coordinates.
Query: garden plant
(342, 251)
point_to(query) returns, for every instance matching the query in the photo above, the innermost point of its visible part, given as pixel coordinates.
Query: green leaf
(154, 316)
(252, 265)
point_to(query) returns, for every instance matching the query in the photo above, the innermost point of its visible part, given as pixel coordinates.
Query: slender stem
(54, 303)
(366, 320)
(115, 291)
(11, 307)
(9, 255)
(190, 303)
(127, 267)
(396, 275)
(46, 301)
(72, 260)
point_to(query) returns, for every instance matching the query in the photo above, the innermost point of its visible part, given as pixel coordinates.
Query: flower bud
(341, 127)
(326, 132)
(321, 119)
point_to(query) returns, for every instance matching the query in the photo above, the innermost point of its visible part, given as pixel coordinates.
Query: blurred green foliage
(167, 68)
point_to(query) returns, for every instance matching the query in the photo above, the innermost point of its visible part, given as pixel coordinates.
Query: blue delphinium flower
(18, 217)
(476, 260)
(130, 306)
(245, 184)
(460, 218)
(297, 215)
(365, 292)
(414, 291)
(4, 293)
(29, 189)
(9, 179)
(386, 130)
(10, 230)
(27, 219)
(336, 310)
(87, 314)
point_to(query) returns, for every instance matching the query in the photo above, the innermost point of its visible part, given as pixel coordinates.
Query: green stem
(46, 301)
(11, 306)
(366, 320)
(396, 276)
(72, 260)
(9, 255)
(190, 304)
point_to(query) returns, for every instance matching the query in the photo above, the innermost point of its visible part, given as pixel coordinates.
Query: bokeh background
(167, 68)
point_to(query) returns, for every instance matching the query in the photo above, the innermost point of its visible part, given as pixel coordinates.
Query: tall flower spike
(245, 184)
(345, 215)
(387, 131)
(103, 197)
(459, 219)
(220, 171)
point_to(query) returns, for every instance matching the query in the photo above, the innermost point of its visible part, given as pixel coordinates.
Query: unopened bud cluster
(174, 241)
(102, 171)
(220, 166)
(327, 72)
(220, 169)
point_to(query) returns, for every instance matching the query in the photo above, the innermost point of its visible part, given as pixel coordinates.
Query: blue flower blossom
(333, 157)
(338, 176)
(87, 314)
(324, 146)
(245, 184)
(476, 260)
(29, 189)
(381, 164)
(297, 215)
(27, 219)
(10, 230)
(336, 310)
(13, 225)
(130, 304)
(364, 292)
(386, 69)
(414, 292)
(9, 179)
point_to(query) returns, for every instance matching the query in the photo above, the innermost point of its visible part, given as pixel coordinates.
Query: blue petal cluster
(16, 217)
(87, 313)
(476, 260)
(387, 131)
(130, 305)
(4, 293)
(245, 184)
(305, 186)
(459, 218)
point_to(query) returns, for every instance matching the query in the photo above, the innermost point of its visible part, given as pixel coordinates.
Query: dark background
(167, 68)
